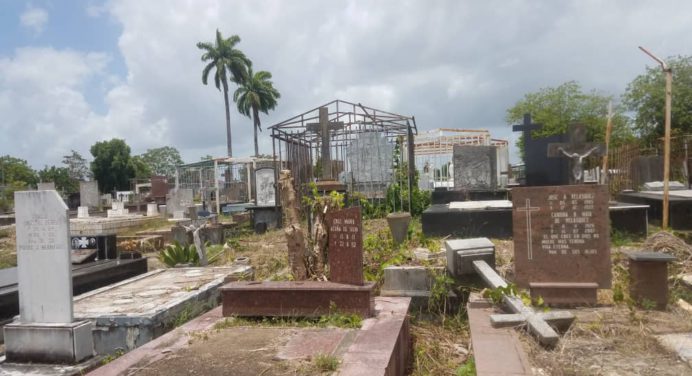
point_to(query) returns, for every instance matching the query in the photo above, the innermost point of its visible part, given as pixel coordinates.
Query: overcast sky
(76, 72)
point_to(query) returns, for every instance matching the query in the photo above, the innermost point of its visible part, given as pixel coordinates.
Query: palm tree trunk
(228, 123)
(255, 118)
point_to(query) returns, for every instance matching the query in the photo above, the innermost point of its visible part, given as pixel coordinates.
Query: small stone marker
(562, 235)
(648, 272)
(83, 212)
(345, 246)
(45, 285)
(462, 252)
(152, 209)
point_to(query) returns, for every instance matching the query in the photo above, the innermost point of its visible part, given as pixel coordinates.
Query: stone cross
(528, 209)
(324, 129)
(577, 149)
(539, 324)
(526, 127)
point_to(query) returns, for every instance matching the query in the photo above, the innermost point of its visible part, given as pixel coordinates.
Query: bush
(176, 253)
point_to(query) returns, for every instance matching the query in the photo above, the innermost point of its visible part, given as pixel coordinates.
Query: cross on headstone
(323, 129)
(526, 127)
(528, 209)
(577, 149)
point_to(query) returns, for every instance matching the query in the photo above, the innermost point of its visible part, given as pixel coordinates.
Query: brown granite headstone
(345, 250)
(561, 235)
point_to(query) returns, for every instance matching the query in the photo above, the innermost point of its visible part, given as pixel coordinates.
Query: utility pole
(666, 138)
(609, 129)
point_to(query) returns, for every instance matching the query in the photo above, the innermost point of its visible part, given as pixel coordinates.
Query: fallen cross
(539, 324)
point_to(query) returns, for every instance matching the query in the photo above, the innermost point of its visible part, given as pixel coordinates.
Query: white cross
(529, 243)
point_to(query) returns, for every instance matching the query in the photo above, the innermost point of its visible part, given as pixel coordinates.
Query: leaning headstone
(265, 187)
(89, 194)
(475, 167)
(46, 186)
(561, 241)
(345, 246)
(45, 332)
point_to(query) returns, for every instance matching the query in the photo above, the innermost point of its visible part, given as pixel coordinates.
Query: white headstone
(89, 193)
(152, 210)
(264, 185)
(44, 268)
(83, 212)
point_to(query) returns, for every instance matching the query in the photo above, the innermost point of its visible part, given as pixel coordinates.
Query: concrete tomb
(490, 218)
(117, 210)
(461, 253)
(46, 331)
(679, 206)
(562, 242)
(135, 311)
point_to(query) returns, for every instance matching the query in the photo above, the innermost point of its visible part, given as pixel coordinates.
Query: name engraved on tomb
(344, 233)
(561, 234)
(41, 235)
(572, 228)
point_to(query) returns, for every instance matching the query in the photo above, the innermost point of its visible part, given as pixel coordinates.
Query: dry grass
(8, 248)
(439, 349)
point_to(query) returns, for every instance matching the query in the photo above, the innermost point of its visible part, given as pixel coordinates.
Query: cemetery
(364, 243)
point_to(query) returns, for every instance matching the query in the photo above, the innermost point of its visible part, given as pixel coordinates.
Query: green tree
(77, 166)
(163, 160)
(112, 165)
(141, 168)
(16, 170)
(558, 107)
(225, 59)
(645, 96)
(61, 177)
(257, 94)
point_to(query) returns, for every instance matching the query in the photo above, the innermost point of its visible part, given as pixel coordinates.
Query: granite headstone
(265, 187)
(89, 194)
(475, 167)
(345, 248)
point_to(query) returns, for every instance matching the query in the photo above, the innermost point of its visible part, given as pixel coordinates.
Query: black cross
(526, 127)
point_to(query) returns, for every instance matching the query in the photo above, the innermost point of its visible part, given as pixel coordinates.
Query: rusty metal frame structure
(293, 143)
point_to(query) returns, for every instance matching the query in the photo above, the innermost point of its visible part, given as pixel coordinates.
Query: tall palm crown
(257, 94)
(224, 58)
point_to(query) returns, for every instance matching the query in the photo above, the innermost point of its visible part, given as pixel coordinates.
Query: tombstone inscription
(44, 275)
(561, 235)
(345, 246)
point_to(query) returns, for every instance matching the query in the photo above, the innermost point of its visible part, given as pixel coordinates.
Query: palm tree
(225, 58)
(257, 94)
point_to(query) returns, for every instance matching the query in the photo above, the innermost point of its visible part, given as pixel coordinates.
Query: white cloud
(34, 18)
(449, 63)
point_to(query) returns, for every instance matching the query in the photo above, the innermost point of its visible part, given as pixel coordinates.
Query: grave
(562, 242)
(104, 246)
(469, 258)
(131, 313)
(469, 219)
(152, 210)
(646, 168)
(346, 288)
(159, 189)
(46, 331)
(541, 170)
(265, 213)
(679, 206)
(178, 199)
(89, 194)
(83, 212)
